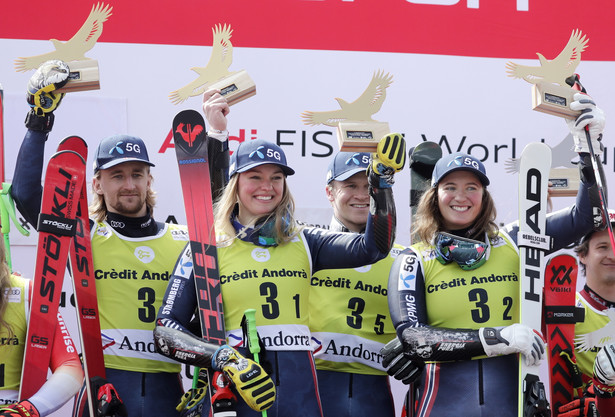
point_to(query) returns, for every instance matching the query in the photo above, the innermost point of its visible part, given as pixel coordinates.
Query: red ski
(84, 284)
(190, 140)
(56, 226)
(560, 317)
(189, 135)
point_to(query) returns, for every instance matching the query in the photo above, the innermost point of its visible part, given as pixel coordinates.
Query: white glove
(604, 369)
(590, 116)
(516, 338)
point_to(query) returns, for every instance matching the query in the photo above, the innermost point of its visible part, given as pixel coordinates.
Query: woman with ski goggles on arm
(454, 295)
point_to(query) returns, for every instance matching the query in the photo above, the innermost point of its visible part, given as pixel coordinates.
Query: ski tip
(188, 115)
(71, 156)
(74, 143)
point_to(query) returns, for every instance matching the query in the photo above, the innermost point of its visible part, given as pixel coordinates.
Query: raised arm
(26, 189)
(348, 250)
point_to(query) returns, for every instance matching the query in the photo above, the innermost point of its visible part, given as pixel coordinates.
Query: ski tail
(84, 285)
(533, 242)
(561, 314)
(56, 225)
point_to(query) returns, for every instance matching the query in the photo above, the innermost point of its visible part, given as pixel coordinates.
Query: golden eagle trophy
(235, 86)
(84, 74)
(550, 93)
(356, 130)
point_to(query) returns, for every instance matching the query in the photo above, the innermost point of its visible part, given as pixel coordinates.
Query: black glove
(398, 364)
(49, 77)
(108, 401)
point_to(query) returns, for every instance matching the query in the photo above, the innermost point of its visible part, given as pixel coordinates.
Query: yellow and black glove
(389, 158)
(194, 396)
(250, 379)
(42, 96)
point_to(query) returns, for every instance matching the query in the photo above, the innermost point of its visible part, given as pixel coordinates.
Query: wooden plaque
(554, 99)
(236, 87)
(361, 136)
(83, 76)
(565, 182)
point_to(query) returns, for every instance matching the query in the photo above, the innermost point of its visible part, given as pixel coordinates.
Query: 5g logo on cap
(464, 160)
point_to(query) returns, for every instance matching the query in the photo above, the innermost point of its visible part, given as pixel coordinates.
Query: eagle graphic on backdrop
(361, 109)
(75, 48)
(217, 67)
(598, 338)
(556, 70)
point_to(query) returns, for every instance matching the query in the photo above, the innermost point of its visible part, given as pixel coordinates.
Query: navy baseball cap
(252, 153)
(118, 149)
(346, 164)
(458, 161)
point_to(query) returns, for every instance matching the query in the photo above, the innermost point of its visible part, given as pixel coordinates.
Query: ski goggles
(467, 253)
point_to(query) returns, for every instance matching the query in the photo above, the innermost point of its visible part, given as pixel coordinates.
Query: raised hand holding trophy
(235, 86)
(550, 92)
(84, 74)
(356, 130)
(552, 95)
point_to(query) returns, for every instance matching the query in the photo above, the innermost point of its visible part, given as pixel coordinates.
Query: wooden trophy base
(361, 136)
(564, 182)
(236, 87)
(83, 76)
(554, 99)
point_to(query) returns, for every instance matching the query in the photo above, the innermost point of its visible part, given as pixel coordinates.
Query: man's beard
(129, 209)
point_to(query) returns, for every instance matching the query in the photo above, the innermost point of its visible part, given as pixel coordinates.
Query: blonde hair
(285, 227)
(429, 221)
(98, 207)
(5, 285)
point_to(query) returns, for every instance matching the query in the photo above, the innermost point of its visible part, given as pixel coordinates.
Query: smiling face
(600, 263)
(260, 191)
(124, 188)
(350, 201)
(460, 196)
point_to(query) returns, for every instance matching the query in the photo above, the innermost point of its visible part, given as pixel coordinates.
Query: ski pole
(253, 343)
(596, 167)
(7, 213)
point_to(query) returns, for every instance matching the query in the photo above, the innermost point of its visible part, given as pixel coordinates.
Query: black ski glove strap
(42, 123)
